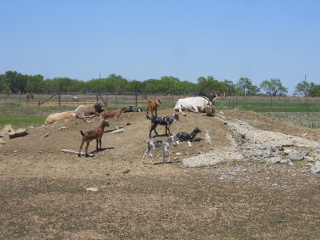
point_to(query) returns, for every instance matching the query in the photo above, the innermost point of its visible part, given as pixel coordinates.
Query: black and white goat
(188, 137)
(165, 145)
(166, 121)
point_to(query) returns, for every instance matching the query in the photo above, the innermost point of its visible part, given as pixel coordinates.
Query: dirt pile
(235, 135)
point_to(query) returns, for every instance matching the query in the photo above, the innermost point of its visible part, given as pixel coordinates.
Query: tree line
(14, 82)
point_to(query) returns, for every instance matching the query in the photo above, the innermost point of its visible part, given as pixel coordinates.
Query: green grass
(270, 106)
(22, 116)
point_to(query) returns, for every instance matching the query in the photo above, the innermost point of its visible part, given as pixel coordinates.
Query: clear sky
(143, 39)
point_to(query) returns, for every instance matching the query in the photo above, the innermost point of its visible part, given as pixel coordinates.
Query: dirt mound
(125, 149)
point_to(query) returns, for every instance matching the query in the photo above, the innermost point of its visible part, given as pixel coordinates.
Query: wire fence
(304, 111)
(260, 103)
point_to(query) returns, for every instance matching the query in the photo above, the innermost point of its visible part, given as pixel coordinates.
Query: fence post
(136, 100)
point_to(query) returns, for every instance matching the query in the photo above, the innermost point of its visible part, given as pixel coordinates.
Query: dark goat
(188, 137)
(165, 121)
(211, 96)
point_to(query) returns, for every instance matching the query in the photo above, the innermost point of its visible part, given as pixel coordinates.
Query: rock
(118, 130)
(316, 167)
(18, 133)
(91, 189)
(295, 156)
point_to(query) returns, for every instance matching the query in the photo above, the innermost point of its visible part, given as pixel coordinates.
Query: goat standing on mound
(165, 145)
(153, 106)
(188, 137)
(115, 114)
(166, 121)
(88, 136)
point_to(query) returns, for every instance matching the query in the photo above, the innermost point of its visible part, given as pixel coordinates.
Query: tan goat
(59, 116)
(115, 114)
(153, 106)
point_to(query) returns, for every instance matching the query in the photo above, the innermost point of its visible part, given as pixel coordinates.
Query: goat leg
(87, 155)
(144, 156)
(79, 154)
(117, 124)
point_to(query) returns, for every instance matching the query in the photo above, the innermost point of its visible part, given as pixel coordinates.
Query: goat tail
(82, 133)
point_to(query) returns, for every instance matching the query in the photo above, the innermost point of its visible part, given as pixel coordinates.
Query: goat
(96, 133)
(165, 145)
(211, 96)
(188, 137)
(194, 104)
(84, 111)
(153, 106)
(112, 113)
(166, 121)
(59, 116)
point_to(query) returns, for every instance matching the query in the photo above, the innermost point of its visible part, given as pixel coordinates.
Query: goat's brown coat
(153, 106)
(96, 133)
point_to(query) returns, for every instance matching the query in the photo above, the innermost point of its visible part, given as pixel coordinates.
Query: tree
(134, 86)
(168, 85)
(6, 89)
(35, 84)
(245, 86)
(307, 89)
(229, 88)
(314, 90)
(273, 87)
(209, 84)
(16, 81)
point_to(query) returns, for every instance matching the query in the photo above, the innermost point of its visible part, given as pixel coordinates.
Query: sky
(149, 39)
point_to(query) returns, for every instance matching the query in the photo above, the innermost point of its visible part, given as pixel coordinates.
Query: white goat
(165, 145)
(194, 104)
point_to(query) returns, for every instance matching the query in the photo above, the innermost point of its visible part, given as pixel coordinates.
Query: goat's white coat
(194, 104)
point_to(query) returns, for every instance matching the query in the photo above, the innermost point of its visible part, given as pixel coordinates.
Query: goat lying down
(115, 114)
(83, 111)
(96, 133)
(165, 145)
(194, 104)
(59, 116)
(165, 121)
(188, 137)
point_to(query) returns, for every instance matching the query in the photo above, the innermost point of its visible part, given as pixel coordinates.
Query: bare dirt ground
(49, 194)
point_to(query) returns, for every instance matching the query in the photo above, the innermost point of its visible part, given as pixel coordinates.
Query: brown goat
(153, 106)
(112, 113)
(96, 133)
